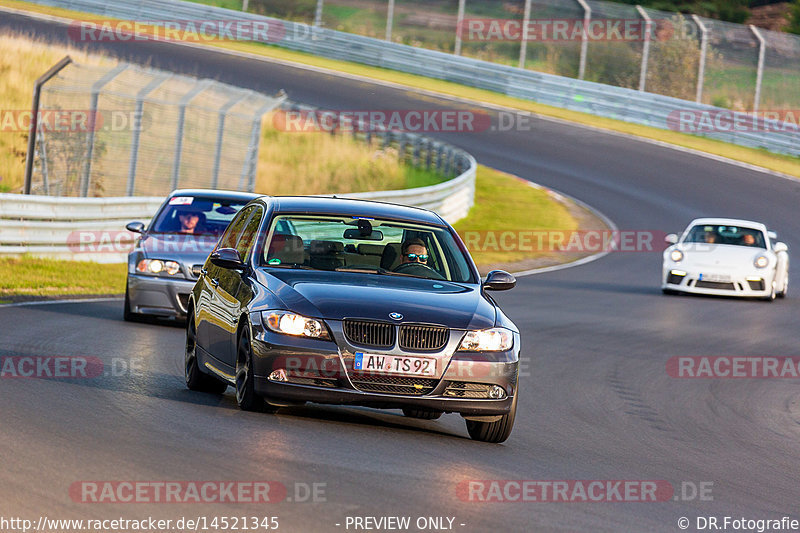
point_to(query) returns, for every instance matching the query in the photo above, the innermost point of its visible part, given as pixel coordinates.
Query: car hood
(338, 295)
(723, 256)
(187, 249)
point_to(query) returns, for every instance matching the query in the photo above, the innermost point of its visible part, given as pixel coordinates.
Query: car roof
(215, 194)
(330, 205)
(728, 222)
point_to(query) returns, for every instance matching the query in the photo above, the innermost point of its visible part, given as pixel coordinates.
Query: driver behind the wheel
(414, 251)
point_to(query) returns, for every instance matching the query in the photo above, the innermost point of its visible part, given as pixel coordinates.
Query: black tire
(772, 295)
(127, 315)
(785, 290)
(494, 432)
(422, 414)
(246, 396)
(668, 291)
(196, 380)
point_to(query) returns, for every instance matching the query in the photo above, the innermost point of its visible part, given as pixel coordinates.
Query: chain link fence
(129, 131)
(687, 57)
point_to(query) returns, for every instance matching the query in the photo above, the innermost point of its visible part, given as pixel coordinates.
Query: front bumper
(322, 372)
(755, 284)
(157, 296)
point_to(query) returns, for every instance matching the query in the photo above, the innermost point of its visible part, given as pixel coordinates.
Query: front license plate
(395, 364)
(715, 277)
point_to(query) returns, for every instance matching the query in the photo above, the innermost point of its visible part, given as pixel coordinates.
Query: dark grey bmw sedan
(326, 300)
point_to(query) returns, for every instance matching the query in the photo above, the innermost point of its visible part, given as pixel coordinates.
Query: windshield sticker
(181, 200)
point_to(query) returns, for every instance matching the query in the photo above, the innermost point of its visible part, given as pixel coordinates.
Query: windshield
(715, 234)
(189, 215)
(365, 245)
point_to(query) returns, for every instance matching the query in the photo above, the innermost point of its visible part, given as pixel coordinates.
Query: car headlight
(292, 324)
(487, 340)
(676, 255)
(154, 267)
(761, 261)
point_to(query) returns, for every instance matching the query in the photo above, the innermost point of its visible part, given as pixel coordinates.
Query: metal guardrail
(597, 99)
(52, 227)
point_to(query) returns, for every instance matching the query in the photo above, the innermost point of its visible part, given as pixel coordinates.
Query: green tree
(794, 17)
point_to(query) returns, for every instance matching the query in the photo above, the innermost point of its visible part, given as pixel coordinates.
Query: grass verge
(502, 203)
(759, 157)
(35, 277)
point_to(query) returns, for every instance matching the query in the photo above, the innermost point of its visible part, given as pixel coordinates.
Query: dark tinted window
(196, 216)
(250, 233)
(234, 231)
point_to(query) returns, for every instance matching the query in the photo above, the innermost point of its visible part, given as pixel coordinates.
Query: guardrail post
(389, 20)
(762, 49)
(701, 70)
(245, 5)
(415, 152)
(459, 24)
(96, 88)
(137, 129)
(37, 90)
(587, 18)
(184, 101)
(523, 47)
(428, 153)
(645, 48)
(223, 112)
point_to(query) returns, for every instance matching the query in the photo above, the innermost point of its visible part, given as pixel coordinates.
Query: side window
(231, 235)
(250, 233)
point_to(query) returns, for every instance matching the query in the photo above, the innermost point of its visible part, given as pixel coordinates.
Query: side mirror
(135, 227)
(499, 280)
(227, 258)
(671, 238)
(780, 247)
(772, 235)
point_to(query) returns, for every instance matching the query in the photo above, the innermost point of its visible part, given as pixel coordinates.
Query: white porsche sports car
(726, 257)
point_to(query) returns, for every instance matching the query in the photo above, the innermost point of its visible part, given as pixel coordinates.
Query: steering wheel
(417, 269)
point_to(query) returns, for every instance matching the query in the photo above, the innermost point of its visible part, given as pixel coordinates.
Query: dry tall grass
(289, 163)
(22, 60)
(320, 163)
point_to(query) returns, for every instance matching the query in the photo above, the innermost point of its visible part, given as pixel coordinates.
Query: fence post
(96, 88)
(137, 129)
(646, 47)
(587, 18)
(223, 112)
(701, 70)
(762, 49)
(459, 24)
(43, 159)
(37, 90)
(251, 160)
(318, 14)
(184, 101)
(389, 20)
(245, 5)
(523, 47)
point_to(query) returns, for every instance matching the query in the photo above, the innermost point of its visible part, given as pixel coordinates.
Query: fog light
(278, 375)
(497, 392)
